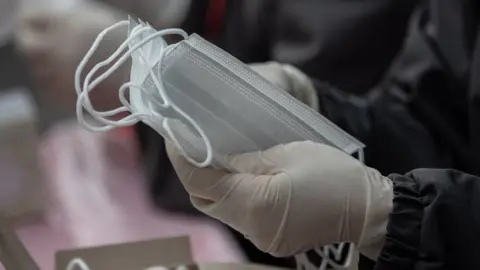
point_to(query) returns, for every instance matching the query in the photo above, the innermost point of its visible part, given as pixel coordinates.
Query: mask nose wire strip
(84, 103)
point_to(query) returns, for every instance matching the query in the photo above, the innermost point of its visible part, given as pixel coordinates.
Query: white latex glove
(294, 197)
(54, 42)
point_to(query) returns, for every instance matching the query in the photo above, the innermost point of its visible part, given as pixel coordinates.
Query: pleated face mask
(202, 99)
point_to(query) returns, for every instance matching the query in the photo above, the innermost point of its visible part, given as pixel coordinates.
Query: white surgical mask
(202, 99)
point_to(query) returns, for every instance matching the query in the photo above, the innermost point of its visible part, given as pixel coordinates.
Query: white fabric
(294, 197)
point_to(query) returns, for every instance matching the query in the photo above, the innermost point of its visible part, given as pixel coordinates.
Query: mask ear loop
(132, 119)
(87, 88)
(96, 44)
(103, 63)
(91, 51)
(208, 145)
(327, 262)
(102, 77)
(83, 95)
(126, 121)
(76, 264)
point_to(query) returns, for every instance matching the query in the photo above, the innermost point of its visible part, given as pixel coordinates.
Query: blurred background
(380, 68)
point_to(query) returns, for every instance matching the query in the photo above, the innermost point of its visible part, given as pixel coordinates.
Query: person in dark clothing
(415, 106)
(417, 97)
(435, 222)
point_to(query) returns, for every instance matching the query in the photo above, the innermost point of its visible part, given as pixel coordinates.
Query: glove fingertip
(170, 148)
(241, 163)
(257, 163)
(175, 156)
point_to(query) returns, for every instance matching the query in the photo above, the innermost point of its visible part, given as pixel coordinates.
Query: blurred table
(98, 196)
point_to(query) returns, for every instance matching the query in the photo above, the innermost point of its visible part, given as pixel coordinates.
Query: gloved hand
(294, 197)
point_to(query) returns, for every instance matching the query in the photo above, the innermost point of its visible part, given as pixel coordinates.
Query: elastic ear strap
(84, 101)
(209, 156)
(77, 264)
(88, 87)
(90, 53)
(13, 254)
(304, 263)
(83, 93)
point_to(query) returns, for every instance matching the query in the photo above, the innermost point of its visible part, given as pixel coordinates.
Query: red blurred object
(215, 18)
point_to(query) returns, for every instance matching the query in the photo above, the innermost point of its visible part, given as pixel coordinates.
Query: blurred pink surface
(98, 197)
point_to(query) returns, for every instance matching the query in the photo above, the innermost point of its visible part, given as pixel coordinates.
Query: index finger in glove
(207, 183)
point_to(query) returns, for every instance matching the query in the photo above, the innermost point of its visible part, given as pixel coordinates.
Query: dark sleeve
(349, 44)
(435, 223)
